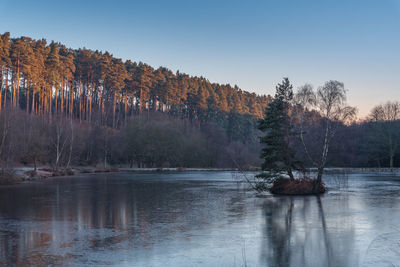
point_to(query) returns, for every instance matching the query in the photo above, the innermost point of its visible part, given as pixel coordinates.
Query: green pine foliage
(277, 153)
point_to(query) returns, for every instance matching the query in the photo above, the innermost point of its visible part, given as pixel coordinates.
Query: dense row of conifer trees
(48, 79)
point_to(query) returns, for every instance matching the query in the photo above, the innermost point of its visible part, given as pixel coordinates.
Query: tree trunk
(80, 103)
(319, 178)
(71, 144)
(5, 89)
(62, 97)
(15, 91)
(56, 101)
(126, 107)
(391, 151)
(105, 152)
(323, 158)
(391, 161)
(27, 99)
(140, 101)
(290, 173)
(87, 95)
(114, 104)
(70, 101)
(12, 90)
(33, 101)
(90, 103)
(50, 105)
(40, 102)
(1, 84)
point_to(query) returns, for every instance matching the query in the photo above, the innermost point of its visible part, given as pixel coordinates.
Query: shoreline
(20, 175)
(26, 174)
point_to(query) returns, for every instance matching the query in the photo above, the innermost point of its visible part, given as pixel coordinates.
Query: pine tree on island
(277, 153)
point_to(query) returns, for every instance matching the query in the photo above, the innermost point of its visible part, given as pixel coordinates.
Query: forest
(63, 107)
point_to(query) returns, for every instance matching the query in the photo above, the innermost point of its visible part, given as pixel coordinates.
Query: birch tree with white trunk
(329, 101)
(60, 138)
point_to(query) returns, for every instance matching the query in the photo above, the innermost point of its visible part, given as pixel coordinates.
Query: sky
(251, 43)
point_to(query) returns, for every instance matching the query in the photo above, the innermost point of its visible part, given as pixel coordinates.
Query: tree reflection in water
(278, 231)
(297, 233)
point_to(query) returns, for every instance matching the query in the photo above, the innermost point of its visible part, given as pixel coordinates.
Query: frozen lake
(198, 219)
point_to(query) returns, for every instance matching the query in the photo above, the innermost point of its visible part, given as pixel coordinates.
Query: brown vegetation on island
(303, 186)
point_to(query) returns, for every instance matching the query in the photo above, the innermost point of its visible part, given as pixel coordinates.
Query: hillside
(92, 85)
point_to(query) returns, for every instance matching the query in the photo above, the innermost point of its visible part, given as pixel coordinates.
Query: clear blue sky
(249, 43)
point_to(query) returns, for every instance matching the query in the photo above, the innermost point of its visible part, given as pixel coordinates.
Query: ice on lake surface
(198, 219)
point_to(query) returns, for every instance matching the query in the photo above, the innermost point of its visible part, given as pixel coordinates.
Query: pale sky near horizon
(252, 43)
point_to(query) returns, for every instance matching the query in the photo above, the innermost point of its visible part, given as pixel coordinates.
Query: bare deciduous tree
(60, 136)
(329, 101)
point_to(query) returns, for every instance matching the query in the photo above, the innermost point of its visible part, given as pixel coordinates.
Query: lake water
(198, 219)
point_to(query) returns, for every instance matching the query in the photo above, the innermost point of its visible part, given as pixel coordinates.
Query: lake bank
(28, 174)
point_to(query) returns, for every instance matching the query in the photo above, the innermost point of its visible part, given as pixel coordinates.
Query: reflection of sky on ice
(201, 218)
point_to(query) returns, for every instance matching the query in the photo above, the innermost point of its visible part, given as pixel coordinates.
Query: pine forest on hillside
(50, 79)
